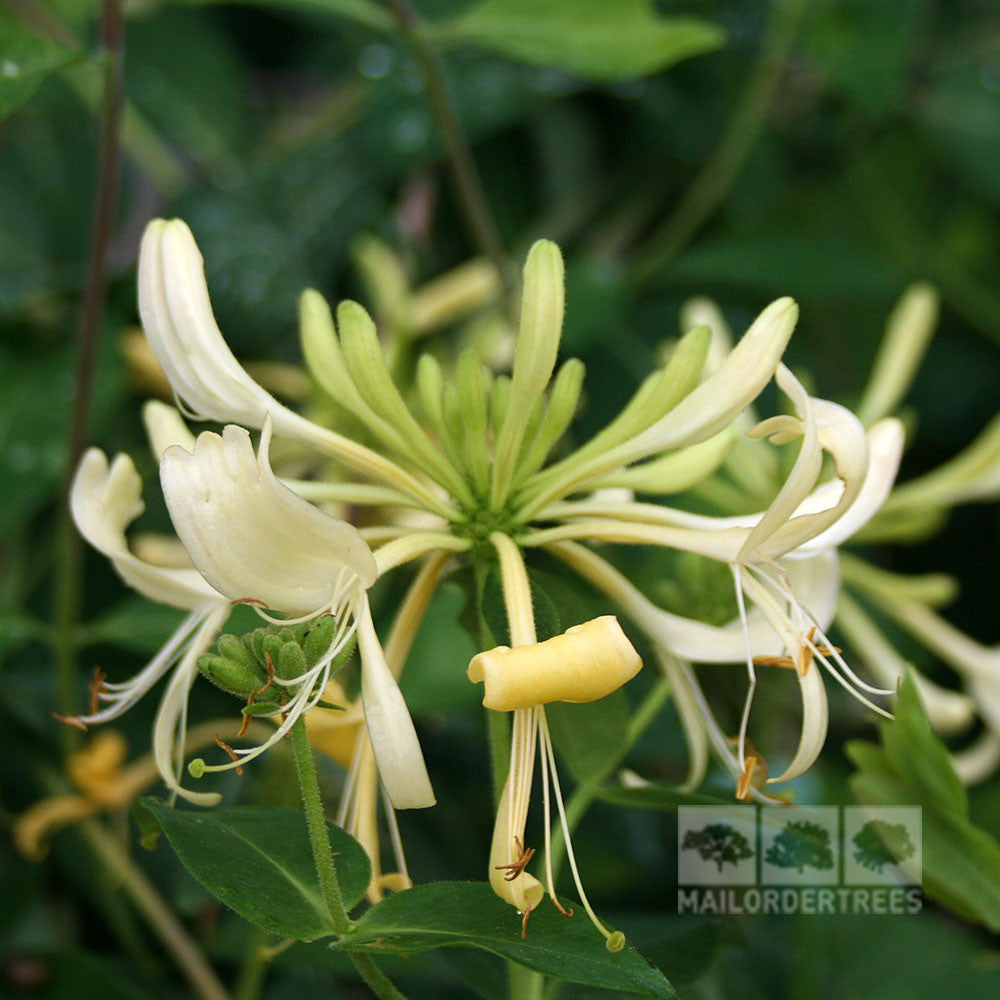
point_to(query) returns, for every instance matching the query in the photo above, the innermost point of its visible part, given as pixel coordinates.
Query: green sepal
(329, 704)
(291, 661)
(230, 675)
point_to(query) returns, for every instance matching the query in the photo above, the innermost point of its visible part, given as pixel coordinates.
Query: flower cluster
(460, 474)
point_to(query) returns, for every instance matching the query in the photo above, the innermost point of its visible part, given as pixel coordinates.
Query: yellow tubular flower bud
(585, 663)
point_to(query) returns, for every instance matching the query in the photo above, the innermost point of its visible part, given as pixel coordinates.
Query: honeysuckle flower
(104, 781)
(254, 539)
(104, 500)
(463, 475)
(587, 662)
(890, 512)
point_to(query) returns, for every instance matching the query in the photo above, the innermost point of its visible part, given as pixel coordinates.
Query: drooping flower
(255, 540)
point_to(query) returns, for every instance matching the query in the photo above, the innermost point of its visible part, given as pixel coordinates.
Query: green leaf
(258, 862)
(591, 736)
(25, 61)
(961, 863)
(660, 797)
(469, 915)
(434, 680)
(600, 39)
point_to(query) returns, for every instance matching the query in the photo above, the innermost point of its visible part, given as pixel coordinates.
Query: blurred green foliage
(281, 130)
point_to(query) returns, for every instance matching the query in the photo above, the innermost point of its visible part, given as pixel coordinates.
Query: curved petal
(979, 760)
(177, 317)
(885, 448)
(251, 536)
(804, 472)
(104, 501)
(814, 724)
(816, 582)
(394, 740)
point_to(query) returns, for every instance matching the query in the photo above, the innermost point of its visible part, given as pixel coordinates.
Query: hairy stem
(326, 869)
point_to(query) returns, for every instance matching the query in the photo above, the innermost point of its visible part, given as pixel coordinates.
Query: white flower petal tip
(104, 500)
(165, 427)
(735, 384)
(885, 449)
(177, 316)
(251, 536)
(587, 662)
(390, 728)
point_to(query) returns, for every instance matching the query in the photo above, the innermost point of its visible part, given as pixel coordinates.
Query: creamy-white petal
(390, 728)
(104, 501)
(251, 536)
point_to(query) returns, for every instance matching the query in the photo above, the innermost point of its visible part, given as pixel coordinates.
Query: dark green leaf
(258, 862)
(25, 61)
(590, 737)
(961, 863)
(434, 679)
(601, 39)
(469, 914)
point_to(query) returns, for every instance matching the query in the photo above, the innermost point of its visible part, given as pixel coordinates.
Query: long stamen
(614, 940)
(394, 835)
(737, 572)
(122, 695)
(781, 585)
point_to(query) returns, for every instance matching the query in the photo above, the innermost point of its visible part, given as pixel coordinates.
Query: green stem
(734, 145)
(583, 796)
(472, 196)
(326, 869)
(253, 968)
(524, 983)
(319, 836)
(199, 974)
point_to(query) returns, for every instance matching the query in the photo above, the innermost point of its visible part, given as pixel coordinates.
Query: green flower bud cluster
(239, 664)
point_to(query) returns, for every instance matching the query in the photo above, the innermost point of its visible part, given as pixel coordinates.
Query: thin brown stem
(112, 33)
(471, 194)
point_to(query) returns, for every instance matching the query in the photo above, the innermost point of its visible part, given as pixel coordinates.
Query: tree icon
(718, 842)
(801, 845)
(880, 843)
